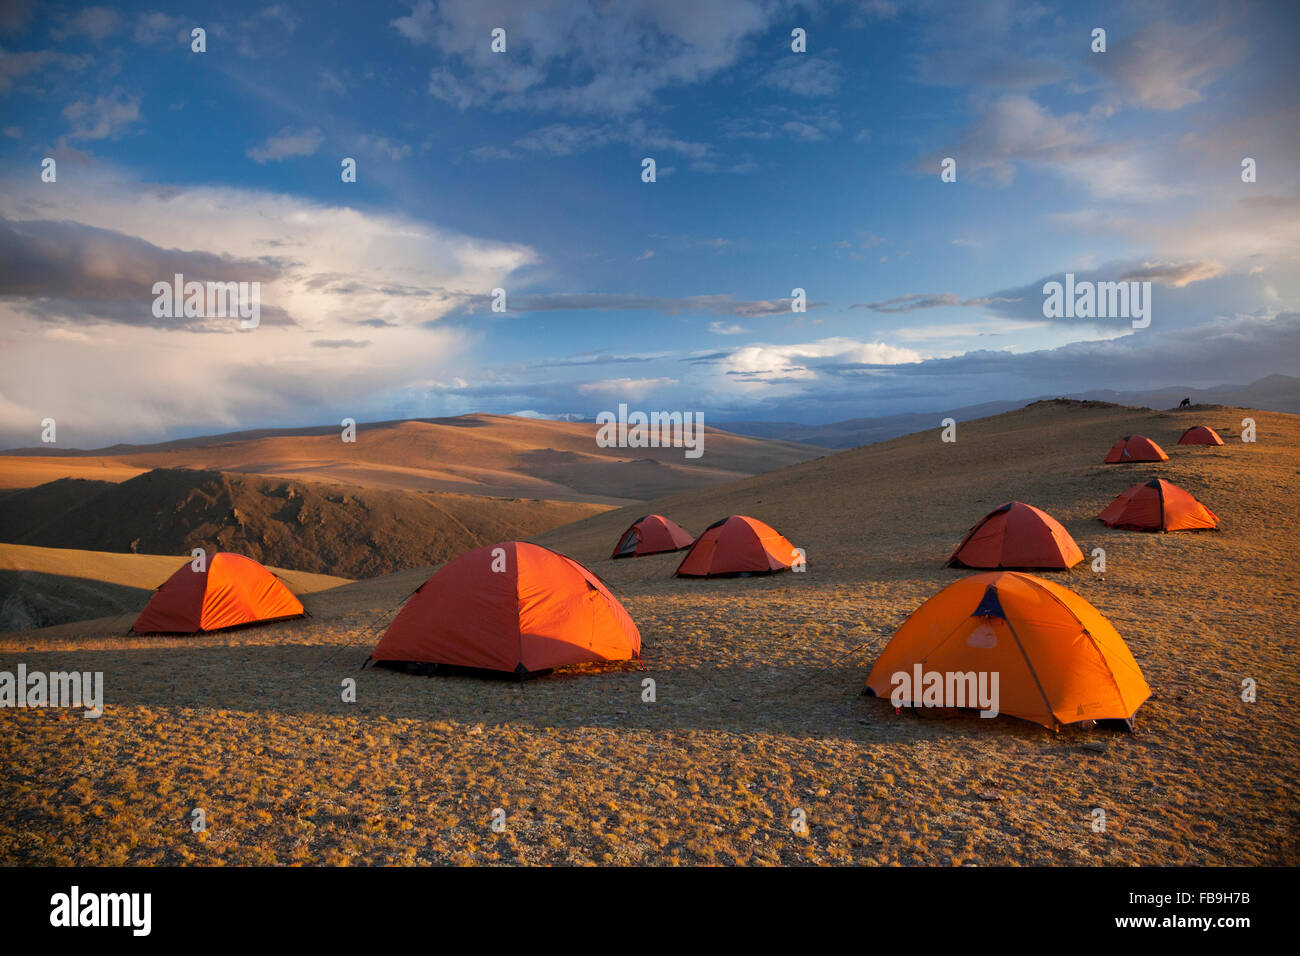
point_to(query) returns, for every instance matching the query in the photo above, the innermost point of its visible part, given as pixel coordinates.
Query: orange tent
(1200, 435)
(234, 590)
(513, 607)
(1017, 535)
(1133, 448)
(1056, 659)
(1158, 505)
(734, 546)
(653, 534)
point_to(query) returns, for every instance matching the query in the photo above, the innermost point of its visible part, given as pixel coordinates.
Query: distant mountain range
(1275, 393)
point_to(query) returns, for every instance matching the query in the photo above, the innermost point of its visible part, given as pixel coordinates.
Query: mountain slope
(308, 526)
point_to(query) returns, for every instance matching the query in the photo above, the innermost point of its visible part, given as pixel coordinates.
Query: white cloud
(94, 23)
(107, 117)
(615, 59)
(384, 147)
(286, 144)
(758, 367)
(1168, 65)
(626, 389)
(345, 275)
(805, 75)
(155, 27)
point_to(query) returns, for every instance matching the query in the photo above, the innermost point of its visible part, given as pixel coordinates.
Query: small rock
(990, 795)
(1096, 745)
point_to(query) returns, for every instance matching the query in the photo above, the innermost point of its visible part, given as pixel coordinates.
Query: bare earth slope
(309, 526)
(757, 709)
(496, 455)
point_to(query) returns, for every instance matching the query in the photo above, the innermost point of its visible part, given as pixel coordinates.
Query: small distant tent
(1200, 435)
(1057, 659)
(1133, 448)
(514, 608)
(230, 592)
(737, 545)
(652, 534)
(1158, 505)
(1017, 535)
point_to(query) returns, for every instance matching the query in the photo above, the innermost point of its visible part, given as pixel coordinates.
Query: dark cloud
(1177, 298)
(619, 302)
(73, 272)
(917, 301)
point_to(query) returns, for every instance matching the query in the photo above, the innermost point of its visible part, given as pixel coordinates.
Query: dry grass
(758, 682)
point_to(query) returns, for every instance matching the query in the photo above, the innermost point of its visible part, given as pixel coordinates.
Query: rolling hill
(492, 455)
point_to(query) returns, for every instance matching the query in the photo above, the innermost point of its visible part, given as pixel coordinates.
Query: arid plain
(758, 710)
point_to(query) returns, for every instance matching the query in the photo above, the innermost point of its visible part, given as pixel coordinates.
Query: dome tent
(231, 591)
(651, 534)
(1135, 448)
(1017, 535)
(514, 608)
(1158, 505)
(1057, 660)
(1200, 435)
(737, 545)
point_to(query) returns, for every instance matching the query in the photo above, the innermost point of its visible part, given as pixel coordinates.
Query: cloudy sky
(522, 170)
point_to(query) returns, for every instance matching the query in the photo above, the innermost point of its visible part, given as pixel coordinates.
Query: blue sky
(522, 170)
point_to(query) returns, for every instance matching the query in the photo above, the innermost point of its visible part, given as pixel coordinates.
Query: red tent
(653, 534)
(1133, 448)
(1200, 435)
(1158, 505)
(737, 545)
(234, 590)
(1017, 535)
(513, 607)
